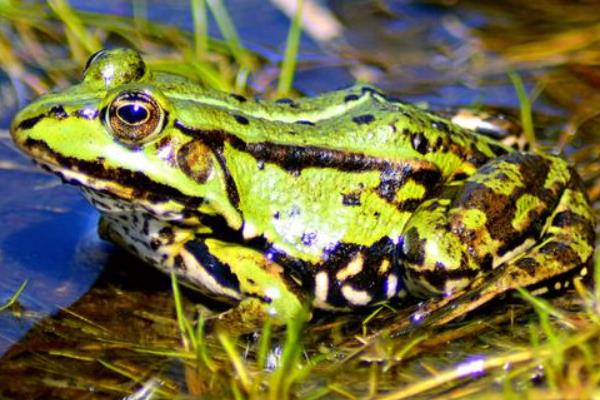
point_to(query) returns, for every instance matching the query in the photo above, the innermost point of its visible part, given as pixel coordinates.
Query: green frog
(337, 202)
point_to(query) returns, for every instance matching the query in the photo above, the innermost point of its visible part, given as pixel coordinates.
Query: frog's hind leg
(551, 253)
(563, 253)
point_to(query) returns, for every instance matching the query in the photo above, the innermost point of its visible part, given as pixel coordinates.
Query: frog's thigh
(564, 252)
(471, 226)
(244, 274)
(563, 248)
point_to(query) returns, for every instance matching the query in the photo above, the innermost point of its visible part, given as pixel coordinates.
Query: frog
(340, 202)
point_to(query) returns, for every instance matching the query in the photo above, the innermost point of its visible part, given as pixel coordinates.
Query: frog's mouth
(129, 186)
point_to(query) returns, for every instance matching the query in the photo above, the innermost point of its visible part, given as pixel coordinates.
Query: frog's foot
(543, 246)
(251, 314)
(491, 124)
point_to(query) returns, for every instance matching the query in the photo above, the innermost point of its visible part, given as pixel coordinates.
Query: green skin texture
(449, 252)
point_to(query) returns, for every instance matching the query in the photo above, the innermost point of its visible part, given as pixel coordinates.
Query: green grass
(288, 67)
(14, 298)
(525, 103)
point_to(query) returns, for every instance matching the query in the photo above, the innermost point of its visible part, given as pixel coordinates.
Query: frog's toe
(251, 314)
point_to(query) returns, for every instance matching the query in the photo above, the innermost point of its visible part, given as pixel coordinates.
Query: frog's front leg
(522, 220)
(265, 289)
(229, 271)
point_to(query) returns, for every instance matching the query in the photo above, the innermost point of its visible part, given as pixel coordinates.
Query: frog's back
(359, 122)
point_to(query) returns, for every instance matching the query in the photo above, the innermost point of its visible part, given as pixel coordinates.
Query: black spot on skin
(103, 113)
(297, 272)
(178, 263)
(220, 271)
(486, 263)
(166, 234)
(498, 150)
(155, 244)
(363, 119)
(100, 204)
(351, 199)
(409, 204)
(146, 225)
(288, 101)
(140, 71)
(376, 214)
(440, 126)
(392, 179)
(440, 265)
(241, 119)
(420, 143)
(308, 238)
(529, 265)
(560, 252)
(459, 176)
(276, 215)
(305, 122)
(368, 89)
(295, 211)
(238, 97)
(568, 218)
(438, 278)
(351, 97)
(58, 112)
(476, 157)
(30, 122)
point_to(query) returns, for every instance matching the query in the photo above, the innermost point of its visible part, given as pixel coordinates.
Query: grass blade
(290, 59)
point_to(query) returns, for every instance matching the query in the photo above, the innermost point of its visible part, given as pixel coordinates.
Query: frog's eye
(134, 116)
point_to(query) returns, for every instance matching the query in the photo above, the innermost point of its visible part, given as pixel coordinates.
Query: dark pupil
(132, 113)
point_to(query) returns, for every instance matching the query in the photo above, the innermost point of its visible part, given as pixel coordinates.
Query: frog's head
(116, 133)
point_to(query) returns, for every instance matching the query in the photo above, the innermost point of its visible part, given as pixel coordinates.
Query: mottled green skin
(337, 201)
